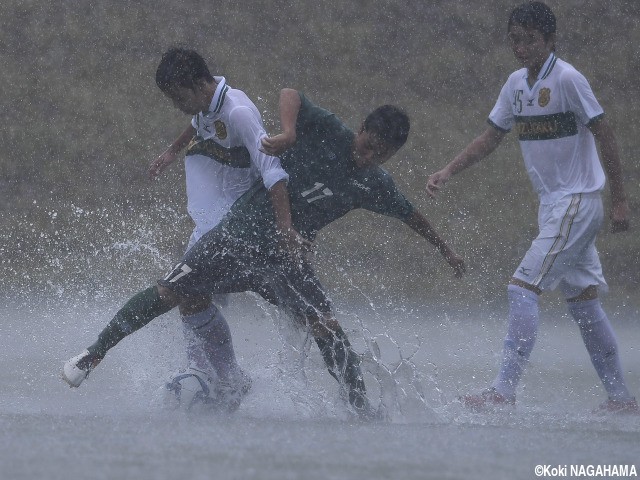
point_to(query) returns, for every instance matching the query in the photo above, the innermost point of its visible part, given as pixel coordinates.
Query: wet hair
(536, 15)
(180, 67)
(390, 124)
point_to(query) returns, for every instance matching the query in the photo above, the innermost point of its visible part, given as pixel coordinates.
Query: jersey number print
(321, 194)
(517, 101)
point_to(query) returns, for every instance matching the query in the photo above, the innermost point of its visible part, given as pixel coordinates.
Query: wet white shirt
(550, 119)
(213, 185)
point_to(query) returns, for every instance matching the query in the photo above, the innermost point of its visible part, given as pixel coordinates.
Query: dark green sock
(344, 365)
(136, 313)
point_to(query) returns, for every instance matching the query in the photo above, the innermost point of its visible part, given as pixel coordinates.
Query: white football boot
(78, 368)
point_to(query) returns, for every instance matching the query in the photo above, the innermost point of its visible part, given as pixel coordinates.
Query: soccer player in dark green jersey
(332, 170)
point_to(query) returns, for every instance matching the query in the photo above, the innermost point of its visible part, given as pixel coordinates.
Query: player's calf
(344, 365)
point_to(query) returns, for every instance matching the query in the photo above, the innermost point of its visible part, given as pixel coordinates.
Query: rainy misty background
(82, 229)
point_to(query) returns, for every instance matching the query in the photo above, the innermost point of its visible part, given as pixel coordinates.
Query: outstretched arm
(289, 106)
(478, 149)
(606, 139)
(157, 166)
(421, 225)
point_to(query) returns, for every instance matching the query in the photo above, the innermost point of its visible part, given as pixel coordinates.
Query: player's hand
(457, 263)
(277, 144)
(436, 181)
(157, 166)
(295, 245)
(620, 217)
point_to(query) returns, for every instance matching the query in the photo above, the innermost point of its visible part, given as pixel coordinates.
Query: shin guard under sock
(344, 365)
(602, 346)
(519, 341)
(213, 341)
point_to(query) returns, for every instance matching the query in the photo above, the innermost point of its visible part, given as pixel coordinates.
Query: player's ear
(199, 84)
(551, 39)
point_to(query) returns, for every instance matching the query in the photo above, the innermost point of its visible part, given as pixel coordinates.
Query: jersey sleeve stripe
(497, 127)
(595, 119)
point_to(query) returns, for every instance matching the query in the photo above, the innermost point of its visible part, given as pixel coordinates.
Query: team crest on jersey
(221, 129)
(544, 97)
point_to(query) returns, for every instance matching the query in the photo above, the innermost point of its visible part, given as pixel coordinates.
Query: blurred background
(81, 119)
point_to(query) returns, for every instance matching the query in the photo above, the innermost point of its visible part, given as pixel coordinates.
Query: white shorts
(564, 253)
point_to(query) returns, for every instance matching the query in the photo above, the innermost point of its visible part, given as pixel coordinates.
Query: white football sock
(601, 344)
(209, 342)
(519, 341)
(195, 353)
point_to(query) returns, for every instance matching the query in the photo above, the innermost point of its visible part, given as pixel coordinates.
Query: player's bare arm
(606, 140)
(290, 240)
(157, 166)
(479, 148)
(421, 225)
(289, 106)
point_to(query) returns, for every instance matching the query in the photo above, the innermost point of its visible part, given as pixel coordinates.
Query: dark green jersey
(324, 183)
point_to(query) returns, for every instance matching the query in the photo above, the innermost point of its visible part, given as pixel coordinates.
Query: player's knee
(331, 323)
(586, 313)
(589, 293)
(188, 305)
(194, 304)
(324, 326)
(523, 306)
(168, 297)
(527, 286)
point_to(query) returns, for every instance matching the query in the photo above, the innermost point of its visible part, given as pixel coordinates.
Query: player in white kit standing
(558, 120)
(222, 161)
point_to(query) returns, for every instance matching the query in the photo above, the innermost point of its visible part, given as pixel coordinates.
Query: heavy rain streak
(83, 229)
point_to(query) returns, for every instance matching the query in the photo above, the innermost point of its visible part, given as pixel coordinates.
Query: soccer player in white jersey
(558, 121)
(222, 161)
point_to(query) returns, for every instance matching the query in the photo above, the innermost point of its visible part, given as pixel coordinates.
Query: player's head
(532, 33)
(382, 134)
(535, 15)
(180, 67)
(184, 77)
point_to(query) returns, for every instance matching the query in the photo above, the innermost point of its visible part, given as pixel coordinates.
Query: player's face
(188, 101)
(369, 150)
(530, 47)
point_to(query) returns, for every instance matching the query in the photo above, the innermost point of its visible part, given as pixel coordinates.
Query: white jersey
(551, 121)
(223, 160)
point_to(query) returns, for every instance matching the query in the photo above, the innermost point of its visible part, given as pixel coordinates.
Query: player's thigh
(292, 289)
(203, 268)
(302, 278)
(586, 273)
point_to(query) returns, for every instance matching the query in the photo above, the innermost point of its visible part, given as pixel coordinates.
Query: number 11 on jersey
(321, 194)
